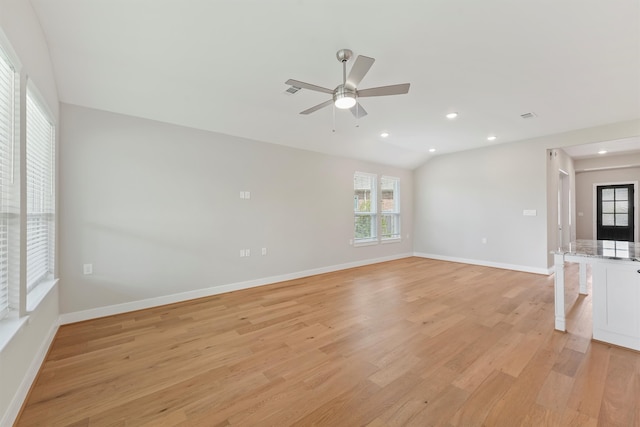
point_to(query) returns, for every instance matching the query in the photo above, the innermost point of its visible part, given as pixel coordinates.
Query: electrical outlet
(247, 252)
(242, 253)
(264, 251)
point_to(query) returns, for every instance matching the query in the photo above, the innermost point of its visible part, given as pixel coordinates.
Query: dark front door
(615, 212)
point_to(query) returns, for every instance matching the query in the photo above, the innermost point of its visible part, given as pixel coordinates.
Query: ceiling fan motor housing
(344, 98)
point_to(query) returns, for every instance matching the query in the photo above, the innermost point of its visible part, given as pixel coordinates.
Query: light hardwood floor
(412, 342)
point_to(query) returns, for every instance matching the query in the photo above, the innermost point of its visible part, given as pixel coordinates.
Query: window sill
(11, 325)
(365, 243)
(9, 328)
(384, 241)
(37, 294)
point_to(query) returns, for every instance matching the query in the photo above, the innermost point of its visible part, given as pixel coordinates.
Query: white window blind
(365, 207)
(390, 208)
(7, 121)
(40, 194)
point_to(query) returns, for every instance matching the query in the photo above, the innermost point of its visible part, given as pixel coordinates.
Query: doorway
(564, 208)
(615, 212)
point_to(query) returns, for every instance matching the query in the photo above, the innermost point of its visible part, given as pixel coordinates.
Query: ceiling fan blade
(317, 107)
(385, 90)
(309, 86)
(358, 111)
(358, 71)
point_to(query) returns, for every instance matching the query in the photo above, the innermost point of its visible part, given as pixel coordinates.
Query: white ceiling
(220, 65)
(616, 147)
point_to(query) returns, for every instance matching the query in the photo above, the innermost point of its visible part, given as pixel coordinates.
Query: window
(390, 208)
(7, 121)
(40, 161)
(365, 207)
(615, 207)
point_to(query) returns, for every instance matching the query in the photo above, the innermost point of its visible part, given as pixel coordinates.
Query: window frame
(8, 286)
(39, 288)
(372, 213)
(396, 212)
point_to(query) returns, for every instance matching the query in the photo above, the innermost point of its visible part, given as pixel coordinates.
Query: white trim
(636, 224)
(20, 396)
(39, 293)
(7, 48)
(523, 268)
(365, 242)
(39, 100)
(391, 240)
(94, 313)
(9, 328)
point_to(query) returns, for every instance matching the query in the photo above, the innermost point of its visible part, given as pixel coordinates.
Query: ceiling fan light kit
(345, 96)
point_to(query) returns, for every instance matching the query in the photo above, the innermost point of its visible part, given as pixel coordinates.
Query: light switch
(87, 269)
(529, 212)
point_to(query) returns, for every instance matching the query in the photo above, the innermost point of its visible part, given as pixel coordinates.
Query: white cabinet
(616, 302)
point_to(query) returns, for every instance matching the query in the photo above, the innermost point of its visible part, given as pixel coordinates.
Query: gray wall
(584, 194)
(464, 197)
(156, 209)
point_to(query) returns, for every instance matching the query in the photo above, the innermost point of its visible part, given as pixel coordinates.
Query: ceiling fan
(345, 96)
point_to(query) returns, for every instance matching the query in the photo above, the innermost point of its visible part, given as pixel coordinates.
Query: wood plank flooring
(412, 342)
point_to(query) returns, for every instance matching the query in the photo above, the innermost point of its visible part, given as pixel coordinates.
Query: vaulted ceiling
(220, 65)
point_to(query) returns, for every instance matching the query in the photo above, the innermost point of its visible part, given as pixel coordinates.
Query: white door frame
(564, 208)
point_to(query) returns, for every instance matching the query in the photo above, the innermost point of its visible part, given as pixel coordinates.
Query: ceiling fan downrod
(343, 56)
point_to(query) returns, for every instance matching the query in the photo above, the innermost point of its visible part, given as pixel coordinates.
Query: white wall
(584, 194)
(156, 209)
(462, 197)
(21, 356)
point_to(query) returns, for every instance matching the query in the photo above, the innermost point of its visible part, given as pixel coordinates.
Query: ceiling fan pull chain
(334, 119)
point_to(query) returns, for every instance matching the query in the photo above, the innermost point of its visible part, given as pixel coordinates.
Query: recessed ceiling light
(384, 134)
(452, 115)
(432, 150)
(491, 138)
(602, 152)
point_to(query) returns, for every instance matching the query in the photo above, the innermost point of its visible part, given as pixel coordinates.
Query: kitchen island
(615, 282)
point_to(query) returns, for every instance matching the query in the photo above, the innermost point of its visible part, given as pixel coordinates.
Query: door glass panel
(607, 207)
(622, 207)
(622, 220)
(607, 194)
(608, 219)
(622, 194)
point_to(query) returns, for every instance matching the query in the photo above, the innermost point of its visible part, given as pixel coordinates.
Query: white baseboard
(524, 268)
(94, 313)
(21, 394)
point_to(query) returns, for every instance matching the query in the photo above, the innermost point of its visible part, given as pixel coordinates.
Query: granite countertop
(608, 249)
